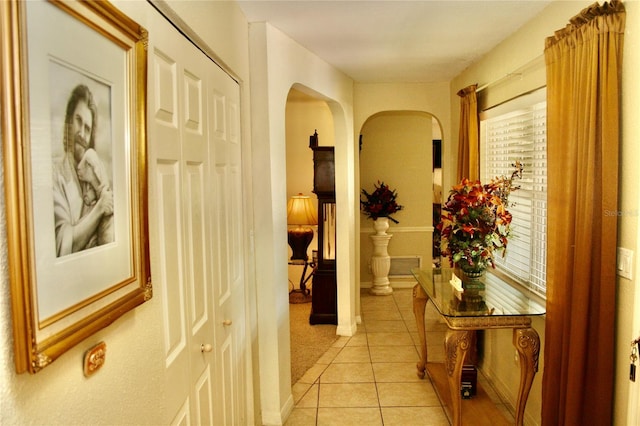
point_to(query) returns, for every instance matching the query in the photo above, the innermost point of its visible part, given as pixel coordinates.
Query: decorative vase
(471, 300)
(472, 276)
(380, 225)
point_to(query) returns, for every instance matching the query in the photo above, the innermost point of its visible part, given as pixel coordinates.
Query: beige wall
(129, 388)
(522, 53)
(304, 115)
(278, 63)
(397, 150)
(627, 394)
(373, 98)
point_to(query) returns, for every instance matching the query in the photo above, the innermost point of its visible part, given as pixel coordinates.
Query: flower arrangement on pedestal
(475, 222)
(380, 203)
(379, 206)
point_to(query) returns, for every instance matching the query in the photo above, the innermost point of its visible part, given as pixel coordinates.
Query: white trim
(349, 329)
(396, 283)
(402, 229)
(277, 418)
(503, 392)
(190, 34)
(524, 101)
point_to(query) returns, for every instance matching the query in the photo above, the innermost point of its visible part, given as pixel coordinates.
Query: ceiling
(396, 40)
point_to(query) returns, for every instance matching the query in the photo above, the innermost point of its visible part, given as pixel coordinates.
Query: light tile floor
(370, 378)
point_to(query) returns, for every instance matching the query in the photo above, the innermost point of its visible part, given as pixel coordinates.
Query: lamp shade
(301, 211)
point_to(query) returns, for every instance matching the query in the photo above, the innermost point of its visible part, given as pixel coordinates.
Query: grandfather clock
(324, 308)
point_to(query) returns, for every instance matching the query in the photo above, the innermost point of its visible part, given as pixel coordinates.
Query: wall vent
(401, 266)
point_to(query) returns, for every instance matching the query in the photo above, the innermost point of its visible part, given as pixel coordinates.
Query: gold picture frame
(73, 81)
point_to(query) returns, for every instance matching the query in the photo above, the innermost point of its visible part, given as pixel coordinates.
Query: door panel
(195, 161)
(197, 231)
(228, 246)
(168, 272)
(169, 215)
(204, 398)
(181, 158)
(182, 417)
(197, 255)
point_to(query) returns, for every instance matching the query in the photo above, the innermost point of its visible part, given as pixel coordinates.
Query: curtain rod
(517, 72)
(512, 98)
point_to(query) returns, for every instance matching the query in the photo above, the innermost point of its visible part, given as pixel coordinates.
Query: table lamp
(300, 212)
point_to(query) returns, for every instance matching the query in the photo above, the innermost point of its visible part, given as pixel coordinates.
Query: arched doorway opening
(305, 115)
(403, 149)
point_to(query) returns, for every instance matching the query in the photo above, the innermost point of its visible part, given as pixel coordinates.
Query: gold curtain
(583, 63)
(468, 142)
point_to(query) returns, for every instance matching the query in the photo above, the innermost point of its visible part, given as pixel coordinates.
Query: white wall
(525, 48)
(278, 63)
(129, 388)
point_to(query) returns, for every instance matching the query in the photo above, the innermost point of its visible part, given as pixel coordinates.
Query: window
(514, 131)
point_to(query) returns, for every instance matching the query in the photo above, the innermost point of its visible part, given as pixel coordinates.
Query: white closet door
(196, 230)
(228, 250)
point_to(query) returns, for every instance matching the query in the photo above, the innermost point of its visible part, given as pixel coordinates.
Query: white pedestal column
(380, 264)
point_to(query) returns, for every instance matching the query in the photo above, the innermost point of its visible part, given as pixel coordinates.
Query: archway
(304, 116)
(403, 149)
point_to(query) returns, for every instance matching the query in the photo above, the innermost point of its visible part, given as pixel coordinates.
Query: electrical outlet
(624, 263)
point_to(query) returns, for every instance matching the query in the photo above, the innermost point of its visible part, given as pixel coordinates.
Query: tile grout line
(367, 334)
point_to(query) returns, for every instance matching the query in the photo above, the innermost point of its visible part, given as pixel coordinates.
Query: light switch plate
(624, 266)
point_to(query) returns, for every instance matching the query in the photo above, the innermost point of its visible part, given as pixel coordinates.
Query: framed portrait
(74, 146)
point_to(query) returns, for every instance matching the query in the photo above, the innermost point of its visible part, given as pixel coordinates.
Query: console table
(498, 305)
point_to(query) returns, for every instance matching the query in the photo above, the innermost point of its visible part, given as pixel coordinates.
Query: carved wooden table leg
(420, 299)
(456, 346)
(527, 343)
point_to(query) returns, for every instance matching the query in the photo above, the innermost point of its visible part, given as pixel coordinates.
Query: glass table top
(498, 298)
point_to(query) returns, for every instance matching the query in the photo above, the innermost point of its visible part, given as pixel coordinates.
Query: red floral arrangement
(380, 203)
(475, 221)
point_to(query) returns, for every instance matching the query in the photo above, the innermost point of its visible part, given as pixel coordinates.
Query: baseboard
(346, 330)
(407, 283)
(397, 283)
(503, 392)
(284, 414)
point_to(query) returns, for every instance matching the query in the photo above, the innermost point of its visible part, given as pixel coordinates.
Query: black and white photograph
(82, 161)
(76, 167)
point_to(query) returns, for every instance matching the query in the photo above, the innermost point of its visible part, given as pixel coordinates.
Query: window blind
(520, 135)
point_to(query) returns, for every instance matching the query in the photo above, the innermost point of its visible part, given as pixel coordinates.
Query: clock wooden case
(324, 288)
